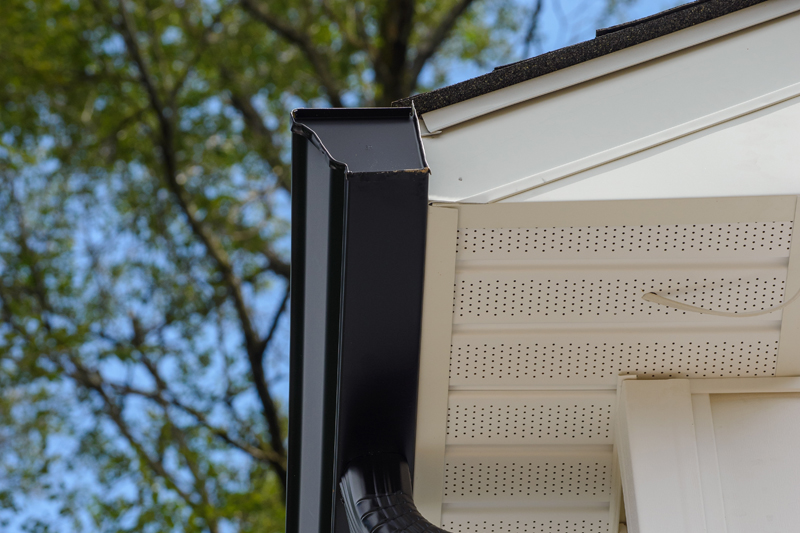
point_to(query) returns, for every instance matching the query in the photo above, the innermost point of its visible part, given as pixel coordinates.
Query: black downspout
(359, 201)
(378, 499)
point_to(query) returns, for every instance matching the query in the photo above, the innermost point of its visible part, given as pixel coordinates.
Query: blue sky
(566, 22)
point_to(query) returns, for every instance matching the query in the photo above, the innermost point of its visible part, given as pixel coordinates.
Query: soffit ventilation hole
(518, 295)
(585, 421)
(661, 300)
(481, 363)
(772, 238)
(528, 525)
(569, 479)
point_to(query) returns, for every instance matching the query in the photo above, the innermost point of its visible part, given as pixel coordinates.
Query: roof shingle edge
(608, 41)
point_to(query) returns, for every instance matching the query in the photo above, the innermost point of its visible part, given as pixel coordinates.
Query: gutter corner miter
(359, 216)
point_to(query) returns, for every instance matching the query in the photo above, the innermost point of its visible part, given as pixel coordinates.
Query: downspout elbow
(377, 496)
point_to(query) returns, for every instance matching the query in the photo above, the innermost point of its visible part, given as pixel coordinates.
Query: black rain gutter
(359, 216)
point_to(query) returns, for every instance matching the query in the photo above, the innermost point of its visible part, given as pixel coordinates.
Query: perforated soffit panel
(547, 312)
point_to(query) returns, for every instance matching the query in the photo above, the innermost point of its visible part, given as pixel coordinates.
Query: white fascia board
(446, 117)
(517, 149)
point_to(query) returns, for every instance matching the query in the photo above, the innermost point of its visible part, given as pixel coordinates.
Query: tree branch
(203, 44)
(39, 289)
(318, 61)
(209, 240)
(257, 453)
(359, 40)
(199, 481)
(276, 264)
(255, 125)
(391, 61)
(93, 381)
(256, 357)
(436, 38)
(212, 245)
(530, 35)
(129, 36)
(266, 340)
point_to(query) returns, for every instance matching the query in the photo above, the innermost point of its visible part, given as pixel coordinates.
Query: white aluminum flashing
(614, 116)
(754, 154)
(439, 119)
(533, 310)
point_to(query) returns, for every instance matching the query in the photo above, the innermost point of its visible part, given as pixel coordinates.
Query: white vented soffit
(531, 313)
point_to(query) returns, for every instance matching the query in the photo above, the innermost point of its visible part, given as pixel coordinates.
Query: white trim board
(710, 455)
(789, 347)
(437, 322)
(655, 421)
(446, 117)
(616, 506)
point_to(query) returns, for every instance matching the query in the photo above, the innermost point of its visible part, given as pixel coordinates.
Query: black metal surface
(377, 497)
(317, 236)
(358, 244)
(296, 329)
(383, 276)
(371, 140)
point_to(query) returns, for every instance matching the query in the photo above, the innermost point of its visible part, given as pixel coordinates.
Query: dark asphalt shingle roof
(607, 41)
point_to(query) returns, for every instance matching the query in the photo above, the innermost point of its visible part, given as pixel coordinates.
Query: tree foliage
(144, 237)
